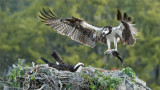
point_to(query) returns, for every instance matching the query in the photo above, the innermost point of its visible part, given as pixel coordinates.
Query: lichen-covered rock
(43, 77)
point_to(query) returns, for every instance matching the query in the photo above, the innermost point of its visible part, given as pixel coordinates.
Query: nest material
(47, 78)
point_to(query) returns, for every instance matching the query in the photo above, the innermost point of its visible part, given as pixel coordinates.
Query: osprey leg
(115, 43)
(109, 47)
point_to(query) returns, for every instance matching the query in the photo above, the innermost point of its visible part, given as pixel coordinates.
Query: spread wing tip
(47, 14)
(124, 17)
(119, 15)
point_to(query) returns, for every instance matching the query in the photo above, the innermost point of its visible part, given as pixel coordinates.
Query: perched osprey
(87, 34)
(60, 65)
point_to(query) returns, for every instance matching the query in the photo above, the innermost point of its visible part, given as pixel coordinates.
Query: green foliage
(130, 72)
(16, 72)
(22, 35)
(101, 81)
(68, 86)
(88, 79)
(33, 77)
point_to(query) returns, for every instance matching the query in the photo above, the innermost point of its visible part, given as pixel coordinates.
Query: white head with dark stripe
(106, 30)
(79, 66)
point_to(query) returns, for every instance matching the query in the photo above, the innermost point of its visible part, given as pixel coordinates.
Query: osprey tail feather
(46, 61)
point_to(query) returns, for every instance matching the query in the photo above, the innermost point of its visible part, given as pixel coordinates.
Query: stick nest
(43, 77)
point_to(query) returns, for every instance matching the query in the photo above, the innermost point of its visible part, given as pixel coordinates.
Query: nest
(43, 77)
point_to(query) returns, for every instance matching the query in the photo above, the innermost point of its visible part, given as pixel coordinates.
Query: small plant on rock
(101, 81)
(130, 72)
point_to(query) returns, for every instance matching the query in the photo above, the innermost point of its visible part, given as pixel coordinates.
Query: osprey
(87, 34)
(60, 65)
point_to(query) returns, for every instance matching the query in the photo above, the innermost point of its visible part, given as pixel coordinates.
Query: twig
(60, 84)
(41, 87)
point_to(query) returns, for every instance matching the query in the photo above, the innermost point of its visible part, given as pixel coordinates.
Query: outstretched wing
(127, 28)
(75, 28)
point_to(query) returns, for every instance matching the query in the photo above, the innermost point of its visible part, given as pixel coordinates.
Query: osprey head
(79, 66)
(106, 30)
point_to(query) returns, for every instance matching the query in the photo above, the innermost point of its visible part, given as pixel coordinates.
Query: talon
(114, 50)
(109, 51)
(116, 54)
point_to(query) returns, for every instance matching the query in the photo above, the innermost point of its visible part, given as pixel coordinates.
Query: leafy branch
(101, 81)
(17, 71)
(130, 72)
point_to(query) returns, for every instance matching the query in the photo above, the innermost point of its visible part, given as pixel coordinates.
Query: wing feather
(75, 28)
(47, 13)
(125, 17)
(126, 30)
(119, 15)
(127, 35)
(68, 30)
(57, 57)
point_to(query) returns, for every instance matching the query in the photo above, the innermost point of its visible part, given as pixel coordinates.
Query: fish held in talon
(116, 54)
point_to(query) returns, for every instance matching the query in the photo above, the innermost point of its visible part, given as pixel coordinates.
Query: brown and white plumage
(129, 29)
(124, 32)
(75, 28)
(85, 33)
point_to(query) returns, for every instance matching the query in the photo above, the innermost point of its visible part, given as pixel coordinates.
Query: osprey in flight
(87, 34)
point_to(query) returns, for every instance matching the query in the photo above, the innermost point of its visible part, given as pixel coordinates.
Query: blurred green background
(22, 35)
